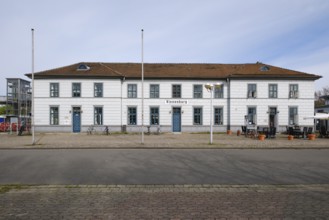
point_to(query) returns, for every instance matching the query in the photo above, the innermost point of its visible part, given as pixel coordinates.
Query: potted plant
(311, 137)
(238, 132)
(261, 137)
(290, 137)
(229, 132)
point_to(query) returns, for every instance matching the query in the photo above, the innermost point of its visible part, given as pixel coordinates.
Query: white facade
(115, 103)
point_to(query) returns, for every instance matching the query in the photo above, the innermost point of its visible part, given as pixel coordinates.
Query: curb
(165, 148)
(167, 188)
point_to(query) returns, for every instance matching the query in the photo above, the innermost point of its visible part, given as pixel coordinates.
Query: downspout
(228, 104)
(122, 81)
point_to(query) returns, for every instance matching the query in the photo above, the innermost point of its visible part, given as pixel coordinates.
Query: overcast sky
(292, 34)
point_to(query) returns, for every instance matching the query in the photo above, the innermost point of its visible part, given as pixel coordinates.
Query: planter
(290, 137)
(311, 137)
(261, 137)
(238, 133)
(229, 132)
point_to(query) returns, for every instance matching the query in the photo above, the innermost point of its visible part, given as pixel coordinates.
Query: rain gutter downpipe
(228, 104)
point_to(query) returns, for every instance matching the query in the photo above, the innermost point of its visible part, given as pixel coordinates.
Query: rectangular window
(54, 115)
(98, 115)
(54, 89)
(273, 91)
(176, 91)
(76, 89)
(197, 116)
(293, 91)
(293, 116)
(154, 91)
(252, 91)
(154, 116)
(197, 91)
(132, 90)
(218, 116)
(252, 117)
(219, 92)
(132, 116)
(98, 89)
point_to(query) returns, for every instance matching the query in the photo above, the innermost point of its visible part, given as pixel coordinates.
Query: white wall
(115, 107)
(240, 102)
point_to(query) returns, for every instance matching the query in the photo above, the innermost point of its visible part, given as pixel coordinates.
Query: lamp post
(142, 87)
(210, 88)
(32, 101)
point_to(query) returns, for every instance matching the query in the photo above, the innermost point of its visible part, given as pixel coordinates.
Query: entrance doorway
(176, 119)
(76, 118)
(273, 117)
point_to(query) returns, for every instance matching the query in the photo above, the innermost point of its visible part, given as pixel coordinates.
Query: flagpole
(142, 86)
(32, 98)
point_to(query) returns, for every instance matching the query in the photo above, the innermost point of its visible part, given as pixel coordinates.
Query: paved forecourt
(165, 202)
(164, 140)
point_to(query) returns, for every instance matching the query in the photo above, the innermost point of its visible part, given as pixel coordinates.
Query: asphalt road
(74, 166)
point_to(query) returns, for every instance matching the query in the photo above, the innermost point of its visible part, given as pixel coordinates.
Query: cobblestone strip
(166, 202)
(171, 188)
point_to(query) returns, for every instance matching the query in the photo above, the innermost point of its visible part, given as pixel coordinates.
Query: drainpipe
(228, 104)
(122, 81)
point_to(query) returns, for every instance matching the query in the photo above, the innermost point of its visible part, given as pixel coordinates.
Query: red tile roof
(173, 71)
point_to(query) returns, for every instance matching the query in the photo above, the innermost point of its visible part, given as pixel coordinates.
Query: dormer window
(83, 67)
(264, 68)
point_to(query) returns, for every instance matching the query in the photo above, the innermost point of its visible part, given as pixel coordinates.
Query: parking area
(164, 140)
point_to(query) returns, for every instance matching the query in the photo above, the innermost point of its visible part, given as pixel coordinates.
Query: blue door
(76, 119)
(176, 120)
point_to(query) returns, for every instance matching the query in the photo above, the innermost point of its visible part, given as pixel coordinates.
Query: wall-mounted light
(169, 112)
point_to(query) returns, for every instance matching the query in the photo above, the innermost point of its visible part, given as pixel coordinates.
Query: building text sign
(178, 102)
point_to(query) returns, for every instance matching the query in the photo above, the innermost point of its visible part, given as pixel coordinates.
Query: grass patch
(7, 188)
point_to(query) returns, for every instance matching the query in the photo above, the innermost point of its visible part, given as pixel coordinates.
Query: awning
(321, 116)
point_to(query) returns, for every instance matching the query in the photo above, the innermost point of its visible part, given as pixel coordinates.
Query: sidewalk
(165, 140)
(165, 202)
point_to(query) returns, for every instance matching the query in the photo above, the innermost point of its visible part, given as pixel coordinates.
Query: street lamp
(211, 88)
(32, 100)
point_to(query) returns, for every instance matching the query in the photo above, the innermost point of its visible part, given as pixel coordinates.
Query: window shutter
(255, 94)
(296, 94)
(255, 119)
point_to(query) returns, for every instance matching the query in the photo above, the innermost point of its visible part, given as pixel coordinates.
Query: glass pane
(176, 90)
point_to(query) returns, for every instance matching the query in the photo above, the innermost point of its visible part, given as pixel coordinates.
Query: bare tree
(318, 94)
